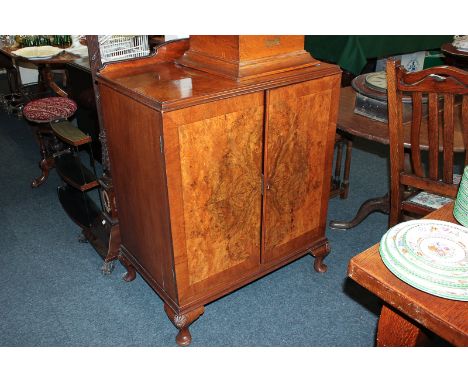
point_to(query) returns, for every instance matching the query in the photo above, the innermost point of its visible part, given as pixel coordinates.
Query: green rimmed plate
(460, 215)
(456, 278)
(440, 245)
(418, 276)
(453, 278)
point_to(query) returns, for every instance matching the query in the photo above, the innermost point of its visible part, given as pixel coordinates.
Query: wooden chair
(443, 91)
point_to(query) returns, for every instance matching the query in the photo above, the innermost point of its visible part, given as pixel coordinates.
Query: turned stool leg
(182, 322)
(46, 162)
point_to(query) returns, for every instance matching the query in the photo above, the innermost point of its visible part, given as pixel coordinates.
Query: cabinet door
(299, 139)
(213, 157)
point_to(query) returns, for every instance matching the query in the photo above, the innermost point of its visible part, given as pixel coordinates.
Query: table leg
(48, 79)
(381, 204)
(395, 330)
(12, 73)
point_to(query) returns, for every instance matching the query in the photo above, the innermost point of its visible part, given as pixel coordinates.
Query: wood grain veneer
(214, 156)
(246, 57)
(294, 168)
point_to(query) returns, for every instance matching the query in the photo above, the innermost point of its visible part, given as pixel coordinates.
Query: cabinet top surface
(163, 84)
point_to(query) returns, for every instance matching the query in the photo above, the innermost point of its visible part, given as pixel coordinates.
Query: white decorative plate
(38, 52)
(451, 283)
(441, 245)
(414, 265)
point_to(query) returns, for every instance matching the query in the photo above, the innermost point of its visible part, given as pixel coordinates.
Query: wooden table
(355, 125)
(407, 312)
(454, 56)
(45, 66)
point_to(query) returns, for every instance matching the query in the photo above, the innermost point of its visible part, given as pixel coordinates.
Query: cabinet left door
(213, 155)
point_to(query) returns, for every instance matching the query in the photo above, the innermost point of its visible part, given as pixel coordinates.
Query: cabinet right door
(299, 140)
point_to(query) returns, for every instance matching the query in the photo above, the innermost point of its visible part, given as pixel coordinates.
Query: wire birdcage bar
(122, 47)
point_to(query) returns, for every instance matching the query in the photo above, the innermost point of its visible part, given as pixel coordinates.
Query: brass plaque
(272, 42)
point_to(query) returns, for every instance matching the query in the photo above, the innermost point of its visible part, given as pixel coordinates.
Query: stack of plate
(460, 209)
(430, 255)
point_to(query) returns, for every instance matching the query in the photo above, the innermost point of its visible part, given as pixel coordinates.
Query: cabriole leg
(131, 273)
(320, 252)
(182, 322)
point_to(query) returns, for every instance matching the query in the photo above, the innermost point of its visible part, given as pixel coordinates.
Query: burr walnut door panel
(300, 131)
(214, 162)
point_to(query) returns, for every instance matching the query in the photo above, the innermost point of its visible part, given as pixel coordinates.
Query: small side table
(455, 57)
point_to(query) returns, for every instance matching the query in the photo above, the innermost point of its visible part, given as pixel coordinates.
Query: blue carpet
(53, 294)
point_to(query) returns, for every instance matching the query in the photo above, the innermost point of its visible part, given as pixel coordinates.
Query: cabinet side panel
(297, 165)
(133, 134)
(214, 178)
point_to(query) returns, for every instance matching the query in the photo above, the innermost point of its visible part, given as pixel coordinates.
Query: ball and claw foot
(107, 267)
(131, 273)
(182, 322)
(82, 239)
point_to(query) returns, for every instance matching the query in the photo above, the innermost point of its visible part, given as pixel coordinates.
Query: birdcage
(119, 47)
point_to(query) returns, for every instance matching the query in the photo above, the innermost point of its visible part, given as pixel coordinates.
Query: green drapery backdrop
(352, 52)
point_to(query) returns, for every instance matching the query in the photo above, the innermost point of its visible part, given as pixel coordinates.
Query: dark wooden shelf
(75, 173)
(79, 206)
(70, 134)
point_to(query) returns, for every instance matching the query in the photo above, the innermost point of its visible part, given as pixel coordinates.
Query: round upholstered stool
(41, 112)
(46, 110)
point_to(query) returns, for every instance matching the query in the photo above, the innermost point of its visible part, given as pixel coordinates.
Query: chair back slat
(415, 133)
(448, 129)
(433, 135)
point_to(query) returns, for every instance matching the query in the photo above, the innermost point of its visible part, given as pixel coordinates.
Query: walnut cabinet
(218, 182)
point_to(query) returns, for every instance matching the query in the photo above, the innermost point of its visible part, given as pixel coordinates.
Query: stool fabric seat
(49, 109)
